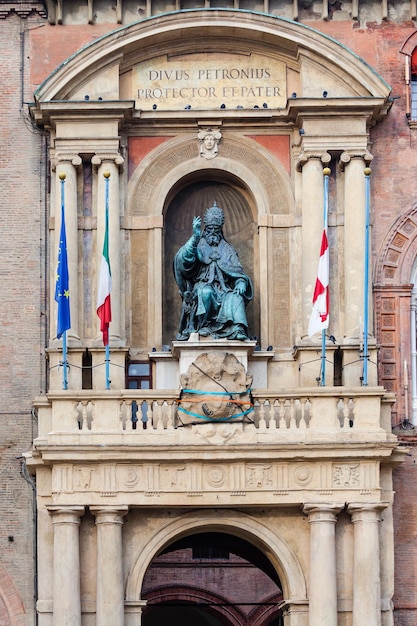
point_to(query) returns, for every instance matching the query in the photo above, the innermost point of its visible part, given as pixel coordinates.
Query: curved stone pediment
(297, 62)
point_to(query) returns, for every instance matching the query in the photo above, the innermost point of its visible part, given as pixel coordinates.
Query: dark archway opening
(212, 579)
(191, 198)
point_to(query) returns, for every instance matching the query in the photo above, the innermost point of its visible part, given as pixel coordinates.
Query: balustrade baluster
(84, 413)
(262, 422)
(149, 415)
(340, 412)
(307, 412)
(282, 417)
(351, 407)
(123, 410)
(158, 416)
(302, 422)
(345, 414)
(171, 413)
(78, 415)
(293, 422)
(272, 425)
(275, 414)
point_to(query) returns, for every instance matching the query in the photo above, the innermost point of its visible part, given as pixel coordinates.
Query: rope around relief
(230, 400)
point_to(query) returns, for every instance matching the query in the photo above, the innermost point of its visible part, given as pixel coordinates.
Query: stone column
(67, 164)
(312, 222)
(110, 584)
(354, 242)
(322, 588)
(366, 563)
(110, 163)
(66, 592)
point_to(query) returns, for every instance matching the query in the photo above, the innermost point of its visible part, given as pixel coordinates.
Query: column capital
(322, 512)
(347, 156)
(366, 511)
(65, 514)
(109, 514)
(101, 159)
(61, 158)
(134, 607)
(308, 155)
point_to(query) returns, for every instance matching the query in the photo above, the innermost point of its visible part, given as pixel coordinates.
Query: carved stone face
(209, 142)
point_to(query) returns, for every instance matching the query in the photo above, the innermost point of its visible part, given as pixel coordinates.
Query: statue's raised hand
(197, 226)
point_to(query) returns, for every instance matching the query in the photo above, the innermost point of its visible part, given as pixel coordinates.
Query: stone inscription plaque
(209, 81)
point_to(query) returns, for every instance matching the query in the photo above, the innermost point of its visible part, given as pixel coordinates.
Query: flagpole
(365, 356)
(107, 181)
(64, 362)
(326, 174)
(62, 177)
(61, 271)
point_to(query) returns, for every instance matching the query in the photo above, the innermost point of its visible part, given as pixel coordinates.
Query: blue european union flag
(62, 282)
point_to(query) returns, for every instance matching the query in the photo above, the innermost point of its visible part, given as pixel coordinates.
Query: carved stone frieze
(173, 479)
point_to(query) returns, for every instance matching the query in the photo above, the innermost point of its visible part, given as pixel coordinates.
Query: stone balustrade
(324, 414)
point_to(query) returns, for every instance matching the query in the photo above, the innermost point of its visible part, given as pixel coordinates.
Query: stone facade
(102, 477)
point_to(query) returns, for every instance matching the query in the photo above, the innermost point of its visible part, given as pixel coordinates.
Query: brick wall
(405, 536)
(22, 265)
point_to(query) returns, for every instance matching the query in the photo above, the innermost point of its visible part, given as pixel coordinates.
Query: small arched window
(413, 84)
(409, 50)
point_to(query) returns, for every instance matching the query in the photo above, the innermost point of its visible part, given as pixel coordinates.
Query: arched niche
(280, 555)
(193, 198)
(259, 212)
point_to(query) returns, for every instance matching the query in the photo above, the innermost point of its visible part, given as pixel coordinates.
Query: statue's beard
(213, 239)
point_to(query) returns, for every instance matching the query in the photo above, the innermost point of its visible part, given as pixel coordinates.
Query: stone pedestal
(187, 351)
(170, 365)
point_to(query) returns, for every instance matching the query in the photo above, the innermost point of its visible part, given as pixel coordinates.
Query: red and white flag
(104, 289)
(319, 319)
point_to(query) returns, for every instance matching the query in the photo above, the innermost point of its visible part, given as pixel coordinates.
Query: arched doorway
(212, 579)
(192, 197)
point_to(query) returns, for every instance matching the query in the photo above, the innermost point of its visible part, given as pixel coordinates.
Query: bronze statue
(213, 286)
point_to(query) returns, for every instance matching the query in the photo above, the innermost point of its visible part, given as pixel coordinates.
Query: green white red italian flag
(104, 289)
